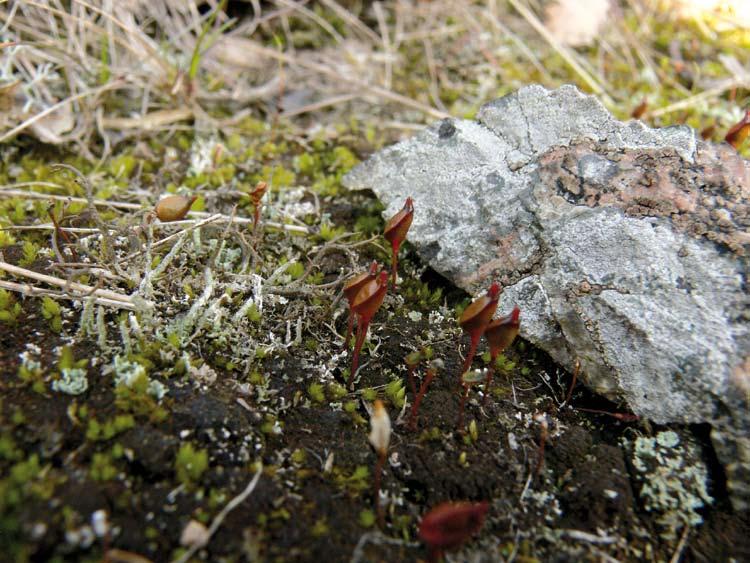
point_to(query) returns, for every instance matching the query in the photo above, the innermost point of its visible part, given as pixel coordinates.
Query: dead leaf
(51, 127)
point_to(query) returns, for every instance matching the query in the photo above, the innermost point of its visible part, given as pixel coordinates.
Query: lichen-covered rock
(626, 247)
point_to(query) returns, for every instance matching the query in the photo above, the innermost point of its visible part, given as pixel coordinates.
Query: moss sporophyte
(450, 525)
(366, 304)
(739, 131)
(395, 233)
(500, 334)
(173, 207)
(380, 438)
(475, 319)
(351, 288)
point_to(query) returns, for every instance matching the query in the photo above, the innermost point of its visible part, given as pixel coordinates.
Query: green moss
(122, 166)
(315, 392)
(8, 449)
(134, 397)
(52, 312)
(367, 518)
(108, 429)
(102, 467)
(355, 483)
(30, 253)
(336, 391)
(9, 308)
(369, 394)
(396, 393)
(298, 457)
(320, 528)
(295, 270)
(190, 464)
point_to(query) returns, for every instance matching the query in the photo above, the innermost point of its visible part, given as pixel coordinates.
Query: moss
(320, 528)
(369, 394)
(396, 393)
(354, 483)
(30, 252)
(135, 397)
(10, 309)
(53, 313)
(367, 518)
(190, 464)
(101, 431)
(102, 467)
(315, 392)
(336, 391)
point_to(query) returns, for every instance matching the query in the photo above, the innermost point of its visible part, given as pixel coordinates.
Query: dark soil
(299, 512)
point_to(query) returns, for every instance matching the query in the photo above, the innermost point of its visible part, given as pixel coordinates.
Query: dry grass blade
(53, 108)
(563, 51)
(149, 121)
(378, 91)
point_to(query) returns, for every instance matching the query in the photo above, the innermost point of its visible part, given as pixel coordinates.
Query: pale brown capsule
(173, 207)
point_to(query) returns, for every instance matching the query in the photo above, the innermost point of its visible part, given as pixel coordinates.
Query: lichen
(73, 381)
(673, 479)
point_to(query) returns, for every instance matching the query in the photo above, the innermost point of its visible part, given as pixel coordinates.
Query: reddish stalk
(462, 406)
(366, 304)
(576, 369)
(475, 319)
(256, 196)
(500, 334)
(621, 416)
(351, 288)
(434, 366)
(412, 361)
(468, 378)
(60, 234)
(395, 232)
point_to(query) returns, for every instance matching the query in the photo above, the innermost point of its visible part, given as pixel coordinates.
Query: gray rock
(625, 247)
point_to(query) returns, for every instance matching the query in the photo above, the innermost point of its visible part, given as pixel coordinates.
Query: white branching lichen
(73, 381)
(673, 480)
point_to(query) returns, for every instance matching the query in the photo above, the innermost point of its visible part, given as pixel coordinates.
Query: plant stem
(464, 396)
(394, 262)
(472, 351)
(361, 334)
(349, 328)
(418, 399)
(488, 382)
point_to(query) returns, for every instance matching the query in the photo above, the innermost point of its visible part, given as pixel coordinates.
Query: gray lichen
(673, 480)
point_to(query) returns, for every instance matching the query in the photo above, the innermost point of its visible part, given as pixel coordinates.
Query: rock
(626, 247)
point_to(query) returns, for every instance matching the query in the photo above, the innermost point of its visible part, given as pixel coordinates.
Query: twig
(65, 284)
(231, 505)
(138, 207)
(677, 555)
(33, 291)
